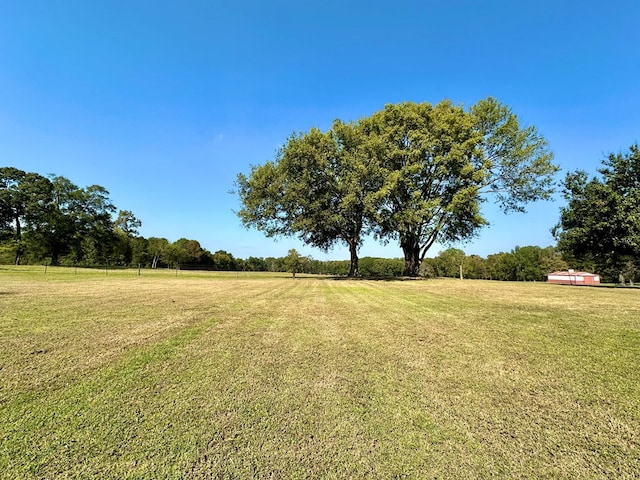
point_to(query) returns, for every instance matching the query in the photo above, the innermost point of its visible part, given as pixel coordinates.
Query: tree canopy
(412, 172)
(599, 228)
(320, 188)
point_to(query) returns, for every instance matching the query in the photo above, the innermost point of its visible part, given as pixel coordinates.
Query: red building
(571, 277)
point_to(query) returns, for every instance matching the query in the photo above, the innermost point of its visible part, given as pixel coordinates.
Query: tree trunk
(411, 251)
(353, 266)
(18, 237)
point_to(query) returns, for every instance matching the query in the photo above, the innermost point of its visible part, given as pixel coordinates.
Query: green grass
(107, 374)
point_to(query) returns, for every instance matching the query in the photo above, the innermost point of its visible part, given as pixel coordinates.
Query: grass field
(107, 374)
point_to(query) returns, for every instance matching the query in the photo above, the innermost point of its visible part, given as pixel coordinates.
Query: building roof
(573, 274)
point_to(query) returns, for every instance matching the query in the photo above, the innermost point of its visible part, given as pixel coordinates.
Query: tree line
(51, 220)
(528, 263)
(51, 217)
(599, 228)
(411, 173)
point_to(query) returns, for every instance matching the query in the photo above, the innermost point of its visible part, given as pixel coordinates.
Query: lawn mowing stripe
(315, 378)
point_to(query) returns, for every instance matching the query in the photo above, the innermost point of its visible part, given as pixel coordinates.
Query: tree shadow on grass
(377, 279)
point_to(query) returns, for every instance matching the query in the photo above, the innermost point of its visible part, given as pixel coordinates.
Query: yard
(107, 374)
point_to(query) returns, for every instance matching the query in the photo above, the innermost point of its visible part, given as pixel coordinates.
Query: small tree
(449, 262)
(294, 262)
(158, 249)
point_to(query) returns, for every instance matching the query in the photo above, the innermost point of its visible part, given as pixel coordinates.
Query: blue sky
(163, 103)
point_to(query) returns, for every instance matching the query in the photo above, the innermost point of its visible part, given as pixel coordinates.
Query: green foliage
(319, 188)
(140, 251)
(55, 219)
(255, 264)
(223, 261)
(157, 248)
(411, 172)
(514, 162)
(24, 202)
(600, 226)
(430, 186)
(449, 262)
(127, 223)
(381, 267)
(440, 163)
(294, 262)
(529, 263)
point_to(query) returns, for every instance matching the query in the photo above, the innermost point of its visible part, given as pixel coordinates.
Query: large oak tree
(440, 163)
(320, 188)
(412, 172)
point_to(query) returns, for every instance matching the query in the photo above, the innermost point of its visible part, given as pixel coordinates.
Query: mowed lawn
(115, 375)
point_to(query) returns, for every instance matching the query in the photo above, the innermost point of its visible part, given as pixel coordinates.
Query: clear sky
(164, 102)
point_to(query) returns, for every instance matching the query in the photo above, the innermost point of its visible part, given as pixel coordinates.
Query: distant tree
(475, 267)
(336, 267)
(193, 250)
(125, 229)
(274, 264)
(53, 219)
(140, 251)
(428, 268)
(24, 198)
(74, 219)
(256, 264)
(158, 249)
(601, 222)
(381, 267)
(93, 221)
(527, 262)
(449, 262)
(551, 261)
(127, 223)
(294, 261)
(224, 261)
(502, 266)
(184, 252)
(629, 271)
